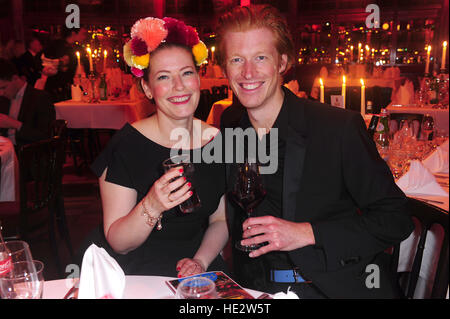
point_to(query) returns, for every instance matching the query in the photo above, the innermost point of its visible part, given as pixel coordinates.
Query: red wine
(248, 201)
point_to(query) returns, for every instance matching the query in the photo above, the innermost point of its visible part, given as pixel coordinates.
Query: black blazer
(335, 179)
(37, 112)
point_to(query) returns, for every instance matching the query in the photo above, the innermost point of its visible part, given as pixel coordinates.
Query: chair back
(380, 97)
(430, 220)
(40, 176)
(204, 105)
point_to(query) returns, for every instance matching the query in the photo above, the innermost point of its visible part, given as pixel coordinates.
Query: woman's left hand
(188, 267)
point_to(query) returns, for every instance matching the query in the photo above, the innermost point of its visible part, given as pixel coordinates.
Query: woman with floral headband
(141, 219)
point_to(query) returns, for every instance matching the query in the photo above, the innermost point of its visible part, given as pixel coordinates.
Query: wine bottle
(103, 88)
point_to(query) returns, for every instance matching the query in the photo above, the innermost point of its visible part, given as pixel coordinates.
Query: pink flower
(137, 72)
(180, 33)
(151, 31)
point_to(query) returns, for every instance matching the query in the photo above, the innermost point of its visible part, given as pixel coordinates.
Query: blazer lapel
(26, 102)
(294, 158)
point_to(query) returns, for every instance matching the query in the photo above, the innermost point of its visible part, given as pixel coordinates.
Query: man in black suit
(25, 113)
(332, 207)
(30, 63)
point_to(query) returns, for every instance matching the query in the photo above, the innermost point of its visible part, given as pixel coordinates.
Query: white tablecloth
(106, 114)
(440, 116)
(136, 287)
(9, 171)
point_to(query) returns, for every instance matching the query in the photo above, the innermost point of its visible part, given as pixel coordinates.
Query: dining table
(136, 287)
(440, 116)
(109, 114)
(9, 172)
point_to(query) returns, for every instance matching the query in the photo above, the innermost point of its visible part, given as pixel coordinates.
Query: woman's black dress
(135, 161)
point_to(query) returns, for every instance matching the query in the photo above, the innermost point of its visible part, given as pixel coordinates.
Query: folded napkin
(76, 93)
(293, 86)
(288, 295)
(420, 181)
(405, 94)
(437, 162)
(101, 276)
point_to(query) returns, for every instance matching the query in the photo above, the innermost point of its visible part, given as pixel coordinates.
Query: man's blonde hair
(251, 17)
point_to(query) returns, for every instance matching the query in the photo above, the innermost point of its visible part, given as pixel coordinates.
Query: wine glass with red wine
(247, 192)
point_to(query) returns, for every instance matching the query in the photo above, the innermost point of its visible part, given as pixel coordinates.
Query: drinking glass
(21, 282)
(398, 162)
(428, 127)
(39, 265)
(19, 250)
(193, 202)
(247, 192)
(196, 288)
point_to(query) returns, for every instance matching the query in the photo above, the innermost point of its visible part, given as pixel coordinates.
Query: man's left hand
(281, 235)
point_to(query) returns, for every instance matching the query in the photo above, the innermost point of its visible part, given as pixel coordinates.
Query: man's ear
(146, 89)
(283, 63)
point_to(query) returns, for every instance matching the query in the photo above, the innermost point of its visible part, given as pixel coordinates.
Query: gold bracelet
(151, 221)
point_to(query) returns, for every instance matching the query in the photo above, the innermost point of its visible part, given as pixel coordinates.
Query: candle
(105, 54)
(444, 49)
(91, 66)
(213, 49)
(363, 98)
(427, 65)
(343, 89)
(322, 99)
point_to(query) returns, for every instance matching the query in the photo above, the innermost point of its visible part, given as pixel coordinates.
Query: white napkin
(288, 295)
(437, 162)
(293, 86)
(420, 181)
(101, 276)
(76, 93)
(405, 94)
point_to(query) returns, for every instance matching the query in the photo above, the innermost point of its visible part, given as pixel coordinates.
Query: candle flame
(343, 79)
(362, 81)
(429, 49)
(321, 82)
(105, 53)
(89, 50)
(445, 43)
(78, 54)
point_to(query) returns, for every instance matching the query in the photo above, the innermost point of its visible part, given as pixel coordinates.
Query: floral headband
(147, 34)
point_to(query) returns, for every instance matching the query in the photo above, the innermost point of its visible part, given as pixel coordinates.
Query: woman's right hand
(160, 197)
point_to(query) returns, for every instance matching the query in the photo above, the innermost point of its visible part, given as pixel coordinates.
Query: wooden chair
(426, 217)
(204, 105)
(40, 185)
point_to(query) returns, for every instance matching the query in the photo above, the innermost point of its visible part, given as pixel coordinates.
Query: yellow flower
(127, 53)
(200, 52)
(141, 61)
